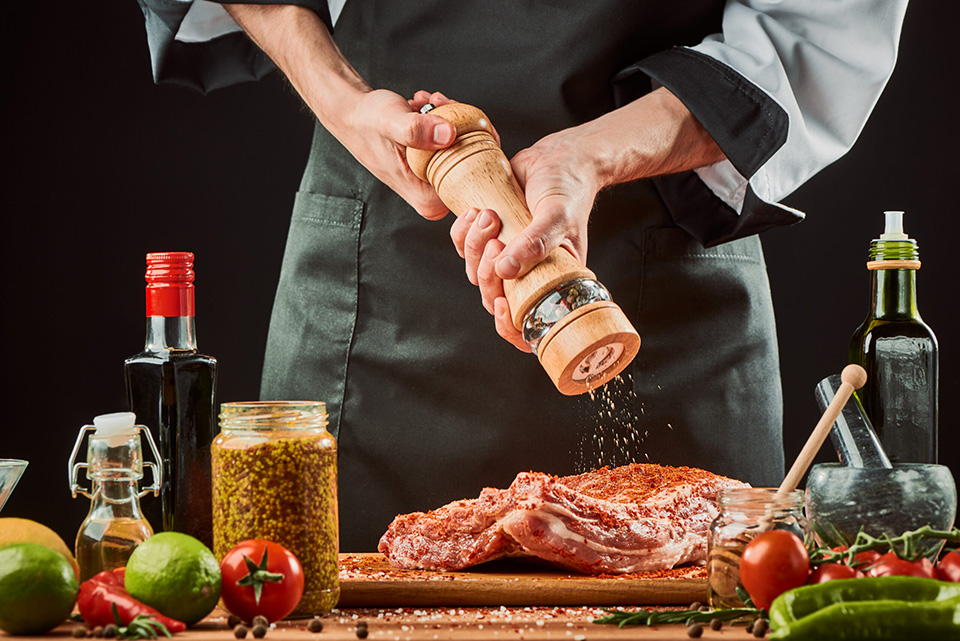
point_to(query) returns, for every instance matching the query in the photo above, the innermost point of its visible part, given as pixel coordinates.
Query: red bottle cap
(170, 284)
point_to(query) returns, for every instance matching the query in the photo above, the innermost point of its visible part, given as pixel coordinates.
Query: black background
(101, 166)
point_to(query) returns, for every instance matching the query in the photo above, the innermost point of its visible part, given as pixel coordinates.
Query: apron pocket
(315, 309)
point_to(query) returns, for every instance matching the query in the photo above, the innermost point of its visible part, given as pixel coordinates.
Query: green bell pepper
(888, 607)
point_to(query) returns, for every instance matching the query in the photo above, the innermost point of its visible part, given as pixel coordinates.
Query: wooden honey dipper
(582, 338)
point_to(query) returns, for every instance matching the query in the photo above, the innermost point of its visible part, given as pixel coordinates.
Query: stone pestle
(852, 434)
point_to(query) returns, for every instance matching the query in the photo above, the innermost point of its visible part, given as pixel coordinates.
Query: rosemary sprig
(652, 617)
(142, 626)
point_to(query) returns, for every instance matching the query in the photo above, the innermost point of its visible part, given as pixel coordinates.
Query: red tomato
(890, 564)
(274, 567)
(773, 563)
(948, 569)
(831, 571)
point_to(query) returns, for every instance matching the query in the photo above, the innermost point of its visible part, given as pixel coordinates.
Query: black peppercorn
(240, 632)
(98, 631)
(233, 621)
(260, 620)
(716, 624)
(760, 628)
(79, 632)
(362, 631)
(109, 631)
(315, 625)
(259, 631)
(695, 631)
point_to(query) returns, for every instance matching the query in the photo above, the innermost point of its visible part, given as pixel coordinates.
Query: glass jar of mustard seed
(275, 478)
(745, 513)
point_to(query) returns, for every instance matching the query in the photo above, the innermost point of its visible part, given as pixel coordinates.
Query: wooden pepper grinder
(582, 338)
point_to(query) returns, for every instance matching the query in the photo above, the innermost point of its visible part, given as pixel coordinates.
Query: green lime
(176, 574)
(37, 589)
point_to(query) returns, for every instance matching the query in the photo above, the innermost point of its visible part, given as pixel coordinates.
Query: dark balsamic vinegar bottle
(171, 388)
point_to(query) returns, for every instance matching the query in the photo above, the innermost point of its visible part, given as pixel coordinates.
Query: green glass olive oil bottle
(898, 351)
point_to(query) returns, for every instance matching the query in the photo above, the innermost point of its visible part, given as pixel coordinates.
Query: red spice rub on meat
(635, 518)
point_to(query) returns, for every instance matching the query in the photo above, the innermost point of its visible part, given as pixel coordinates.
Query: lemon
(13, 530)
(176, 574)
(37, 589)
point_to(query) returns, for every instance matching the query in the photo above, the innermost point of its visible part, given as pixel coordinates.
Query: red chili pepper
(100, 592)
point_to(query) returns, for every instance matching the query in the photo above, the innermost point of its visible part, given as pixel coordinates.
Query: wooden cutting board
(367, 580)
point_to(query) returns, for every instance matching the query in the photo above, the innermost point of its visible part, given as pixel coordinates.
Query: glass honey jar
(745, 513)
(275, 478)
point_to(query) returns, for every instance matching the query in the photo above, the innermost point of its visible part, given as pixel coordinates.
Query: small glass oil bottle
(898, 351)
(114, 527)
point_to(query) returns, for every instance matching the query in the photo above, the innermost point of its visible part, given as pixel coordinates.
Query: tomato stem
(258, 575)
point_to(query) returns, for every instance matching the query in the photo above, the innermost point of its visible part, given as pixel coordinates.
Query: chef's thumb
(423, 131)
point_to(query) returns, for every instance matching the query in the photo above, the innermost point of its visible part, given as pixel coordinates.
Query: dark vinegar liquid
(172, 393)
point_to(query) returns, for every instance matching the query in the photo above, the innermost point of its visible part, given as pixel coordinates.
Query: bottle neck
(894, 293)
(171, 332)
(115, 499)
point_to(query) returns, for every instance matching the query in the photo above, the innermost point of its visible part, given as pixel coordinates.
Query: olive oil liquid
(105, 544)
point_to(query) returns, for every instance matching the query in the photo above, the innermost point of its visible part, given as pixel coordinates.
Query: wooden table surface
(451, 624)
(499, 602)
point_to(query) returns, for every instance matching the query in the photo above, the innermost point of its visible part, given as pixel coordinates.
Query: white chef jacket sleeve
(196, 44)
(785, 89)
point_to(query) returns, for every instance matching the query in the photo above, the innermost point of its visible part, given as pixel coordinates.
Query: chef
(673, 130)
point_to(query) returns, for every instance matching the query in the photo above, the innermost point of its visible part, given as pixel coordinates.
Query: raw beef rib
(634, 518)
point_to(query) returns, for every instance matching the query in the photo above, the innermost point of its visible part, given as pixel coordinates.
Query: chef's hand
(561, 176)
(560, 195)
(377, 131)
(376, 126)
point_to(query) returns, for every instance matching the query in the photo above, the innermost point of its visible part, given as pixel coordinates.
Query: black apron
(374, 313)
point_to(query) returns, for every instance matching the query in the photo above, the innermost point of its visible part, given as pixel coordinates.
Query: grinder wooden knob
(582, 338)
